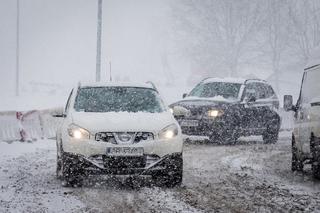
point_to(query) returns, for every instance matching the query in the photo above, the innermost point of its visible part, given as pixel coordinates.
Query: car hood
(122, 121)
(195, 102)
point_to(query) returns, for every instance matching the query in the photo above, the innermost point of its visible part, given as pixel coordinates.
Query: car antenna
(110, 71)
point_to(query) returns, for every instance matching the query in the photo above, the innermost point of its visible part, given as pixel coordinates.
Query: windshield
(216, 89)
(118, 99)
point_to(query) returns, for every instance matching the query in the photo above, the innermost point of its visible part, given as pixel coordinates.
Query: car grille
(123, 137)
(124, 162)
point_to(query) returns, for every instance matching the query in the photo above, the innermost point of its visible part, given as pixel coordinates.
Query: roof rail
(153, 85)
(255, 79)
(205, 79)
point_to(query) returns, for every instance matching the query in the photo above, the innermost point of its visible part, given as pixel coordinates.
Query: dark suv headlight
(213, 113)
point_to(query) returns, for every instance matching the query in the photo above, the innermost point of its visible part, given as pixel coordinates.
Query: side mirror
(59, 115)
(184, 95)
(251, 99)
(288, 103)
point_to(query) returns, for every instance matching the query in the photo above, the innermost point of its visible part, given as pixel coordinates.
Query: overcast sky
(58, 40)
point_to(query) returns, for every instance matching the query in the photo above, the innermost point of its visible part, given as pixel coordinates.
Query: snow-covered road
(246, 177)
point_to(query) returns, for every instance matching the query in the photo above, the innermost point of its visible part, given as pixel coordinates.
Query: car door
(301, 118)
(250, 113)
(65, 121)
(267, 104)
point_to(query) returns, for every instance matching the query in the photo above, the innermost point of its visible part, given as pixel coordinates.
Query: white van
(306, 133)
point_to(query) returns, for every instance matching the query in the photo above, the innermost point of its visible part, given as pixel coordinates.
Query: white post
(98, 59)
(18, 49)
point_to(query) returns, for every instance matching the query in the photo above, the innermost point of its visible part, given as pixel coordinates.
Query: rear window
(118, 99)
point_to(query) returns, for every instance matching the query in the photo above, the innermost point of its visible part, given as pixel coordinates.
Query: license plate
(125, 151)
(189, 123)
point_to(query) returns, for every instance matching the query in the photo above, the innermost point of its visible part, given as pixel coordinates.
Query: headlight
(169, 132)
(214, 113)
(78, 132)
(171, 110)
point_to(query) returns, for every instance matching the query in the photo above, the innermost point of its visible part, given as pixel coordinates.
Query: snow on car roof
(233, 80)
(314, 59)
(227, 80)
(116, 84)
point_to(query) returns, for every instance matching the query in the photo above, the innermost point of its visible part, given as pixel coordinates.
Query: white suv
(118, 129)
(306, 134)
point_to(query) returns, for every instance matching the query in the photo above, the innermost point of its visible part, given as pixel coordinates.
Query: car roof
(233, 80)
(117, 84)
(227, 80)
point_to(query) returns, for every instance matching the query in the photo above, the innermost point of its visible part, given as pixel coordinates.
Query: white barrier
(28, 125)
(287, 120)
(41, 124)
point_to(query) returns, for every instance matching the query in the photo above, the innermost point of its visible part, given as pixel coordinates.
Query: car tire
(69, 169)
(296, 163)
(172, 176)
(315, 164)
(271, 135)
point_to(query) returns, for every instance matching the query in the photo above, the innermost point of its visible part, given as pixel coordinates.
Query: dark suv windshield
(118, 99)
(216, 89)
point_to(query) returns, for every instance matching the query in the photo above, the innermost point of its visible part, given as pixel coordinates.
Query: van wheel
(315, 166)
(296, 163)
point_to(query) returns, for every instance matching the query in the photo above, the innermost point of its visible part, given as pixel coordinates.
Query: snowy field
(249, 176)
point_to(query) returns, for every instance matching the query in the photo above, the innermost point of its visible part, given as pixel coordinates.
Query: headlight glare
(214, 113)
(77, 132)
(169, 132)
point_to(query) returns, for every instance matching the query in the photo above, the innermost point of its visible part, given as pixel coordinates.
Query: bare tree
(219, 31)
(277, 31)
(305, 23)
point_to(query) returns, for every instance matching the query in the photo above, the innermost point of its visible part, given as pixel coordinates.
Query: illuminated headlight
(169, 132)
(214, 113)
(171, 110)
(78, 132)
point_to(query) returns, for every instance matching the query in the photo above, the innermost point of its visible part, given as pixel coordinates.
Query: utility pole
(18, 50)
(98, 59)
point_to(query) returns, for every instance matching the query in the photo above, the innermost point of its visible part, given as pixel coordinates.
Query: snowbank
(18, 148)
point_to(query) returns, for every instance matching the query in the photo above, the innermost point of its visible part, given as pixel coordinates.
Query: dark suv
(225, 109)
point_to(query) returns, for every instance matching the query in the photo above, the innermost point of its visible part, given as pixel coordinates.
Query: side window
(68, 103)
(310, 86)
(250, 91)
(269, 91)
(261, 91)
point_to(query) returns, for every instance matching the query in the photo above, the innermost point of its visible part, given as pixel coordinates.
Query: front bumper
(89, 148)
(205, 127)
(146, 165)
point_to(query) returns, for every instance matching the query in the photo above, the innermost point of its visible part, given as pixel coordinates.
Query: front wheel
(69, 169)
(271, 134)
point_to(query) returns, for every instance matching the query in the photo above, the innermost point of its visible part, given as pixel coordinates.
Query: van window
(310, 86)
